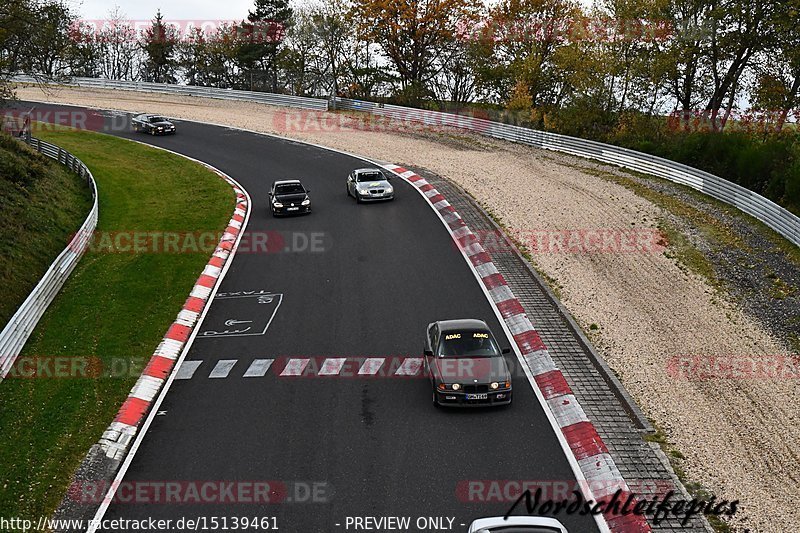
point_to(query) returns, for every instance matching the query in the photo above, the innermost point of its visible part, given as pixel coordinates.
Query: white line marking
(107, 499)
(208, 334)
(332, 367)
(258, 368)
(187, 369)
(599, 519)
(409, 367)
(500, 294)
(222, 368)
(295, 367)
(371, 366)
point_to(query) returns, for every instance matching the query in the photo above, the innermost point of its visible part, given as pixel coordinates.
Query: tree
(331, 28)
(777, 87)
(118, 47)
(741, 30)
(82, 56)
(51, 39)
(683, 60)
(265, 30)
(520, 42)
(33, 39)
(302, 61)
(159, 43)
(211, 60)
(456, 81)
(414, 35)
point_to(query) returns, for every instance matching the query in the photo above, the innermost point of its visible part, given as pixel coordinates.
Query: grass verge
(41, 205)
(115, 307)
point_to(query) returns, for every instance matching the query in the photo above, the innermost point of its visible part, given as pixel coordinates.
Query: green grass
(115, 306)
(41, 206)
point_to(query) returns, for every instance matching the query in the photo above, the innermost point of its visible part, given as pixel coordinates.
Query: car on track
(465, 365)
(152, 124)
(517, 524)
(289, 197)
(369, 185)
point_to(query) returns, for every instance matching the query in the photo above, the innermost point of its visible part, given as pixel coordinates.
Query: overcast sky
(172, 9)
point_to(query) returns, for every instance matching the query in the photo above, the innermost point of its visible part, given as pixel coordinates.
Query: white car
(517, 524)
(369, 184)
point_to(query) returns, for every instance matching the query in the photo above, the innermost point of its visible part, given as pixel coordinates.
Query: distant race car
(465, 365)
(289, 197)
(369, 184)
(517, 524)
(152, 124)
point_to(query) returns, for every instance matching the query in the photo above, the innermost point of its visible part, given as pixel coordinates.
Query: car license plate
(482, 396)
(292, 208)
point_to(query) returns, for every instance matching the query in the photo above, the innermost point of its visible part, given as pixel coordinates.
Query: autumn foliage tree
(415, 35)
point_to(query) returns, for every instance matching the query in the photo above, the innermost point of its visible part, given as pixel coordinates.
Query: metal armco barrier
(776, 217)
(19, 328)
(194, 90)
(763, 209)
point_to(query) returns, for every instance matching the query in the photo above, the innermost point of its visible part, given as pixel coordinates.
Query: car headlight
(364, 192)
(455, 386)
(277, 204)
(305, 202)
(500, 385)
(389, 190)
(494, 385)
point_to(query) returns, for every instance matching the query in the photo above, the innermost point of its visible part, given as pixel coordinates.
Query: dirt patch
(739, 437)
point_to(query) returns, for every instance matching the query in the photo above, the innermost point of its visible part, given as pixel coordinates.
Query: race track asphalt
(356, 281)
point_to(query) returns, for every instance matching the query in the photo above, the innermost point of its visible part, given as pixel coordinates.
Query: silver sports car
(369, 184)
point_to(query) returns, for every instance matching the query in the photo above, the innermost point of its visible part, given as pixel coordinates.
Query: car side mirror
(308, 190)
(270, 193)
(428, 353)
(506, 350)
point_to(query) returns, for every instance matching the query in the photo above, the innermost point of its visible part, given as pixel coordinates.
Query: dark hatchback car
(465, 365)
(289, 197)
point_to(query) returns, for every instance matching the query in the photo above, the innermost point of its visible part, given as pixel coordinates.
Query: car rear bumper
(459, 399)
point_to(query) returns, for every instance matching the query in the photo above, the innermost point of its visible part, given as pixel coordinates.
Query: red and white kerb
(117, 437)
(591, 453)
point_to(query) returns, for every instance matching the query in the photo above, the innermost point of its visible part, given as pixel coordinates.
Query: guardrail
(193, 90)
(19, 328)
(776, 217)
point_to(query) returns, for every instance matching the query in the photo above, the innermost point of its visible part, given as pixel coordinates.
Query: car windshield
(467, 344)
(371, 176)
(289, 188)
(158, 119)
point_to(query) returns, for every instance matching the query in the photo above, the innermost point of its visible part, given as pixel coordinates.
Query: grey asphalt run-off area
(358, 281)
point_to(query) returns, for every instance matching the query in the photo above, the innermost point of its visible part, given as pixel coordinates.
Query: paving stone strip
(618, 420)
